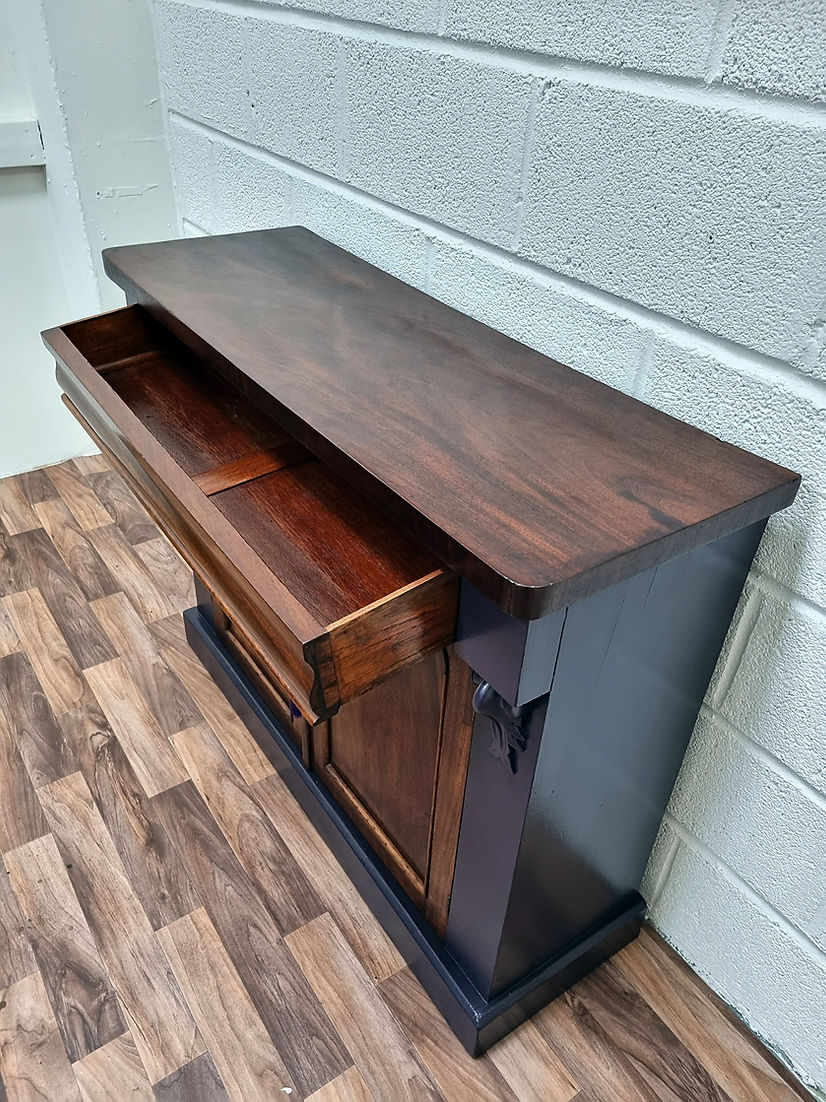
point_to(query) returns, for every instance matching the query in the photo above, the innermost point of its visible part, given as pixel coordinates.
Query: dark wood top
(539, 484)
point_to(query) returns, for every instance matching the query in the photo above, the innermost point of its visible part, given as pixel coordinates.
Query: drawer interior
(374, 600)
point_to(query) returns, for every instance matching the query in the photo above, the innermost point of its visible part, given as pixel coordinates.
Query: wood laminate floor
(171, 925)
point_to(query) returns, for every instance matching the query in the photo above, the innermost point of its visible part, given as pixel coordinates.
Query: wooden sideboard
(471, 598)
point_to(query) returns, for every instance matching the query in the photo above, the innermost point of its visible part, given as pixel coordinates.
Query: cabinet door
(398, 770)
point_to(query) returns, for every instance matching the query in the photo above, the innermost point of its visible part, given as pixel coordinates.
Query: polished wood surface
(538, 483)
(333, 1000)
(332, 595)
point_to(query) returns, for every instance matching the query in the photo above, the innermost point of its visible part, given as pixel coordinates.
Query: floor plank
(36, 486)
(16, 956)
(16, 513)
(197, 1081)
(169, 701)
(588, 1054)
(30, 719)
(90, 464)
(80, 499)
(46, 647)
(169, 570)
(249, 758)
(735, 1058)
(382, 1052)
(32, 1057)
(531, 1067)
(83, 1000)
(347, 1087)
(248, 1062)
(9, 641)
(130, 573)
(155, 762)
(453, 1071)
(149, 859)
(268, 863)
(658, 1055)
(158, 1017)
(293, 1016)
(114, 1071)
(376, 952)
(21, 817)
(122, 506)
(65, 600)
(80, 557)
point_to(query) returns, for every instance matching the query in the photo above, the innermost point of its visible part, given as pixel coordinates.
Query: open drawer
(331, 597)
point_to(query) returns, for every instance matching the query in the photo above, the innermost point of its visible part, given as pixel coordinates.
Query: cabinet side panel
(633, 668)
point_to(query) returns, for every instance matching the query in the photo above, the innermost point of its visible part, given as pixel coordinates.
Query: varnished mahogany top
(538, 483)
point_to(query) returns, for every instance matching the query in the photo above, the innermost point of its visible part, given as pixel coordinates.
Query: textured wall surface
(637, 189)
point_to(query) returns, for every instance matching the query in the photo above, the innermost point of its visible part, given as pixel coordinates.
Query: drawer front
(310, 573)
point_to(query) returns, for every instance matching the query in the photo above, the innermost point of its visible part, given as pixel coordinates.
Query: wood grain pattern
(532, 1068)
(382, 1051)
(122, 506)
(131, 575)
(583, 485)
(156, 1013)
(80, 557)
(32, 1057)
(31, 721)
(267, 861)
(83, 1000)
(15, 511)
(46, 647)
(113, 1071)
(167, 699)
(443, 1056)
(281, 994)
(156, 764)
(82, 501)
(9, 641)
(65, 600)
(251, 466)
(197, 1081)
(375, 951)
(21, 819)
(150, 861)
(248, 1062)
(36, 486)
(733, 1057)
(89, 464)
(347, 1087)
(625, 1037)
(246, 754)
(16, 956)
(169, 570)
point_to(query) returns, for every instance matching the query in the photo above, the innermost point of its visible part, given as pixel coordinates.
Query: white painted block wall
(637, 188)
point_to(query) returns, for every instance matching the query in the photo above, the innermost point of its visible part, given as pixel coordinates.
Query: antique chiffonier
(470, 598)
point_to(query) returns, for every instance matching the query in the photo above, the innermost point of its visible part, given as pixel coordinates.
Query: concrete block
(191, 155)
(640, 34)
(294, 92)
(410, 15)
(538, 313)
(767, 416)
(710, 216)
(250, 193)
(793, 548)
(392, 245)
(441, 136)
(774, 980)
(202, 60)
(778, 47)
(762, 825)
(659, 863)
(776, 691)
